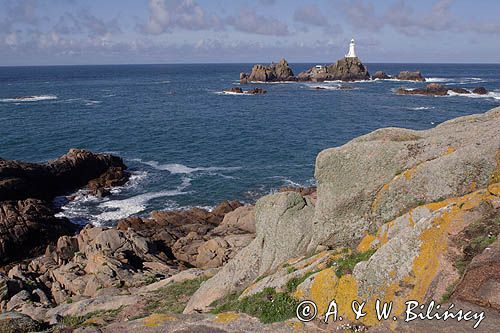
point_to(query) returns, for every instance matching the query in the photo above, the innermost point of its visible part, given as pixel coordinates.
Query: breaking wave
(29, 99)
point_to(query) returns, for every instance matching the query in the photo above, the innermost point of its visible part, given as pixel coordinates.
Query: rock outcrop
(27, 222)
(102, 261)
(436, 89)
(392, 202)
(275, 72)
(20, 180)
(26, 227)
(410, 76)
(345, 69)
(379, 75)
(238, 90)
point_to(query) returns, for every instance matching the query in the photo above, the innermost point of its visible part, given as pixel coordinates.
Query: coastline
(274, 242)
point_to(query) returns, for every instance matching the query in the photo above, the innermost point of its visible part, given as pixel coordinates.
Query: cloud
(187, 14)
(361, 15)
(311, 15)
(83, 21)
(248, 21)
(19, 12)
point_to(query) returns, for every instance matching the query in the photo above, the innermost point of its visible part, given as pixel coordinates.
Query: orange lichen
(156, 319)
(226, 317)
(449, 150)
(366, 243)
(326, 286)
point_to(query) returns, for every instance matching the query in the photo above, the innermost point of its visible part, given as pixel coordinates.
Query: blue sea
(187, 144)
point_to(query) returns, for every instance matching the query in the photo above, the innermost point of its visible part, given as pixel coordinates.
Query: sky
(64, 32)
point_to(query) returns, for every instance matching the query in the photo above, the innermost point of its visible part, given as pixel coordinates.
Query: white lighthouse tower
(352, 52)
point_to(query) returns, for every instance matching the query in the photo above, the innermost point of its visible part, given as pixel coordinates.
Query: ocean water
(187, 144)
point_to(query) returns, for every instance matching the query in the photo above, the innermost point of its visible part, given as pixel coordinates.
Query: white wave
(118, 209)
(437, 79)
(89, 102)
(135, 179)
(330, 87)
(276, 82)
(232, 93)
(417, 108)
(162, 82)
(29, 99)
(175, 168)
(288, 182)
(492, 94)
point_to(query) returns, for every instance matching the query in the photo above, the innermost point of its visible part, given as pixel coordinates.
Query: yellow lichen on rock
(449, 150)
(156, 319)
(366, 243)
(419, 283)
(226, 317)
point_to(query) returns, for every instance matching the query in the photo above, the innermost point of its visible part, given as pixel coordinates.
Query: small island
(348, 69)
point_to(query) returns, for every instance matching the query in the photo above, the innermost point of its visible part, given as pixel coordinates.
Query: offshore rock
(436, 89)
(380, 76)
(271, 73)
(345, 69)
(410, 76)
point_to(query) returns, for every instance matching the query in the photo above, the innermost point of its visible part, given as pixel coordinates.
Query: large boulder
(281, 220)
(379, 176)
(271, 73)
(410, 76)
(345, 69)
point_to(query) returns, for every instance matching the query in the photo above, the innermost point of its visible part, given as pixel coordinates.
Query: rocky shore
(397, 214)
(27, 221)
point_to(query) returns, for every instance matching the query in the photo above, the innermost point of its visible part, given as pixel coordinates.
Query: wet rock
(480, 91)
(234, 90)
(410, 76)
(20, 180)
(380, 75)
(256, 91)
(27, 226)
(433, 89)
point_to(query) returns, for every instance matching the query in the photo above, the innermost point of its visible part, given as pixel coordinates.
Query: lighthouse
(352, 53)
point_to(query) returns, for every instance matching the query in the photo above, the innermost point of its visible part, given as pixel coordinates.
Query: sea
(187, 144)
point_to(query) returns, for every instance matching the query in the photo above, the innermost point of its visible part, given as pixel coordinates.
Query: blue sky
(185, 31)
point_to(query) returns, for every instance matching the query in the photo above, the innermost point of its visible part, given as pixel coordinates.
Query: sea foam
(29, 99)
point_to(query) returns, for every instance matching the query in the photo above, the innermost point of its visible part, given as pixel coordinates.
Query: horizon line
(242, 63)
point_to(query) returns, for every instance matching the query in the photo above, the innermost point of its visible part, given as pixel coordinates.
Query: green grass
(293, 283)
(346, 265)
(449, 291)
(482, 242)
(76, 321)
(268, 305)
(173, 297)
